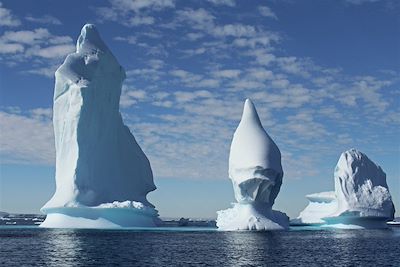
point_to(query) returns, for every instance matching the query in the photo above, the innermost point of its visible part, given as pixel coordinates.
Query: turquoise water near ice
(181, 246)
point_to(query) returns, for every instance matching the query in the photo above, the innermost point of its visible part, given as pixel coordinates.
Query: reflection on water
(252, 248)
(46, 247)
(62, 247)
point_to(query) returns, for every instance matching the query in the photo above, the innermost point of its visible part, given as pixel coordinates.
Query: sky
(324, 76)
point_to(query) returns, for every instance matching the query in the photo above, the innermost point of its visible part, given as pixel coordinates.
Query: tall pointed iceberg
(256, 173)
(102, 174)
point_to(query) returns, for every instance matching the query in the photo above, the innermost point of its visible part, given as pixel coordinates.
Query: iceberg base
(105, 216)
(248, 217)
(354, 222)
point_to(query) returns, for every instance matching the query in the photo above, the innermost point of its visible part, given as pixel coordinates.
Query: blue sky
(324, 76)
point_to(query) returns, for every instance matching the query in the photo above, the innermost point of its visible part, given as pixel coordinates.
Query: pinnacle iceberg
(361, 197)
(98, 160)
(256, 173)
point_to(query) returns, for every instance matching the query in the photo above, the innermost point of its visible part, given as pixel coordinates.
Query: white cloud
(267, 12)
(35, 40)
(51, 52)
(193, 36)
(41, 113)
(26, 37)
(131, 96)
(230, 3)
(200, 18)
(44, 71)
(295, 66)
(208, 83)
(228, 73)
(27, 138)
(138, 5)
(180, 73)
(7, 18)
(181, 96)
(163, 103)
(260, 74)
(193, 52)
(40, 46)
(45, 19)
(7, 48)
(263, 56)
(299, 166)
(129, 39)
(133, 12)
(261, 40)
(186, 77)
(236, 30)
(141, 20)
(145, 73)
(355, 92)
(359, 2)
(156, 63)
(194, 80)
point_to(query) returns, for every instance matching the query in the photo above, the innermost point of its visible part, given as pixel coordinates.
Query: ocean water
(33, 246)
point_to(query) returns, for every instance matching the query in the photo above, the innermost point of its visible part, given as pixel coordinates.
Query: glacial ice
(256, 173)
(102, 174)
(361, 198)
(361, 188)
(320, 205)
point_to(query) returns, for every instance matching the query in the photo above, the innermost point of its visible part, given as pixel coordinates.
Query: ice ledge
(323, 197)
(107, 215)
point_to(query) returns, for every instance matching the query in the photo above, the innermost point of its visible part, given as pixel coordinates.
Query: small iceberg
(361, 198)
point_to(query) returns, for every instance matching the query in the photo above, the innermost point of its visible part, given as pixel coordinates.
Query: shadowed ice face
(262, 187)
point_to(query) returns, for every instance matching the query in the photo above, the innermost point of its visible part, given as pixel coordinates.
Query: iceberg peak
(250, 113)
(90, 39)
(252, 146)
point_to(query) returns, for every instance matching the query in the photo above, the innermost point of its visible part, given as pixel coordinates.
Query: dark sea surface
(33, 246)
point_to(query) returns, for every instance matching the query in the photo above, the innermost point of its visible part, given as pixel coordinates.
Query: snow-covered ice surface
(320, 205)
(361, 198)
(256, 173)
(102, 174)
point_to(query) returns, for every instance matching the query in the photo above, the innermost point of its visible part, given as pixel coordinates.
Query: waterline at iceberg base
(250, 217)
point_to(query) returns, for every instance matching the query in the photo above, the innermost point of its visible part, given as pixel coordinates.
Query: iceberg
(102, 174)
(256, 173)
(361, 198)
